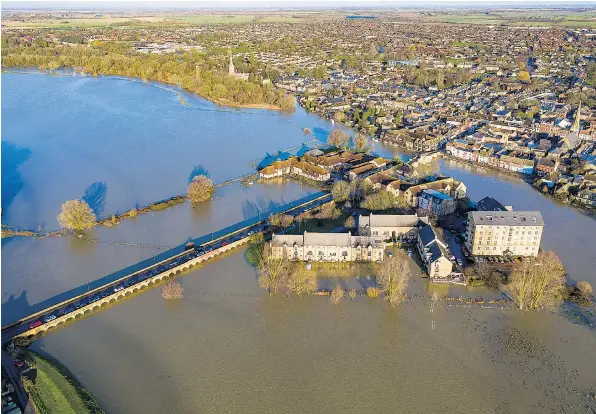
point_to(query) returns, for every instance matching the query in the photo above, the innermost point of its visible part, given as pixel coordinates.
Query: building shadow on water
(13, 157)
(196, 171)
(95, 196)
(15, 307)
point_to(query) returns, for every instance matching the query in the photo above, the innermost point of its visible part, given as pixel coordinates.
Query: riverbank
(55, 390)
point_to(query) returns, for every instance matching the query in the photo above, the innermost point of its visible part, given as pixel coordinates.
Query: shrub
(585, 289)
(76, 215)
(352, 294)
(372, 292)
(350, 222)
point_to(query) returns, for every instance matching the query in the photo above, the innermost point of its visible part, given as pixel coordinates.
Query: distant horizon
(285, 5)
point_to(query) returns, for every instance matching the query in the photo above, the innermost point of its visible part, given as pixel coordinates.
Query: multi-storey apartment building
(328, 247)
(499, 233)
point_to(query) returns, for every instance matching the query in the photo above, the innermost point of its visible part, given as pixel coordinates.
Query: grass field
(66, 23)
(54, 392)
(537, 18)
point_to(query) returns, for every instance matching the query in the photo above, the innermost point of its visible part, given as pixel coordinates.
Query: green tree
(382, 200)
(77, 215)
(340, 191)
(523, 76)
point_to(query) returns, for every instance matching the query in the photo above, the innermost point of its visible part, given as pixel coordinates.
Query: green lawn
(54, 392)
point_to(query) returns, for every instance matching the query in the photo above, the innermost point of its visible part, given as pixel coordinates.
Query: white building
(499, 233)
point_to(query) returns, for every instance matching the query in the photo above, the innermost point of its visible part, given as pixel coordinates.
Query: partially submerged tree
(538, 283)
(340, 191)
(76, 215)
(301, 280)
(271, 270)
(172, 290)
(338, 138)
(393, 276)
(337, 294)
(200, 189)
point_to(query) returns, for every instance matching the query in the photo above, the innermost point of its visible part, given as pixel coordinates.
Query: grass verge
(56, 391)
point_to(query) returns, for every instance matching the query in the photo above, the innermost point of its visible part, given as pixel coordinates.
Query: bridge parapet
(127, 291)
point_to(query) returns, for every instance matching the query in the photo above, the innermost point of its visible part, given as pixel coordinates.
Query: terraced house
(400, 227)
(293, 166)
(328, 247)
(450, 186)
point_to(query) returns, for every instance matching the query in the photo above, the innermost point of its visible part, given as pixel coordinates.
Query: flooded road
(227, 346)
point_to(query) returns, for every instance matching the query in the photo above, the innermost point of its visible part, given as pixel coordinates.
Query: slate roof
(507, 218)
(490, 204)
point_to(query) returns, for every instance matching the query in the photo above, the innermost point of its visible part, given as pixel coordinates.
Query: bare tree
(337, 294)
(538, 283)
(393, 276)
(271, 270)
(172, 290)
(302, 281)
(200, 189)
(360, 142)
(340, 191)
(338, 138)
(76, 215)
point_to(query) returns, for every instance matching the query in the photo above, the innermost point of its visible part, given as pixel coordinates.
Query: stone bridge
(73, 304)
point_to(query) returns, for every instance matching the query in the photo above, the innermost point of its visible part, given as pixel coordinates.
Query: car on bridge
(34, 324)
(118, 288)
(95, 298)
(49, 318)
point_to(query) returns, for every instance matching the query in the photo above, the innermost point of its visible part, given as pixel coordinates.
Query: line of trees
(190, 70)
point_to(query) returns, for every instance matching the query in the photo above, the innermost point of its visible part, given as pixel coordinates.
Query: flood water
(226, 346)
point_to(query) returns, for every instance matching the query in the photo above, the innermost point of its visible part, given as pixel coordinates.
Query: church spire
(231, 70)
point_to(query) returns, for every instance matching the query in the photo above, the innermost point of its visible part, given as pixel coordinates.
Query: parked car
(49, 318)
(409, 252)
(389, 254)
(459, 262)
(34, 324)
(480, 260)
(18, 363)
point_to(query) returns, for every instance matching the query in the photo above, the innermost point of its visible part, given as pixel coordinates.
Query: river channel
(226, 346)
